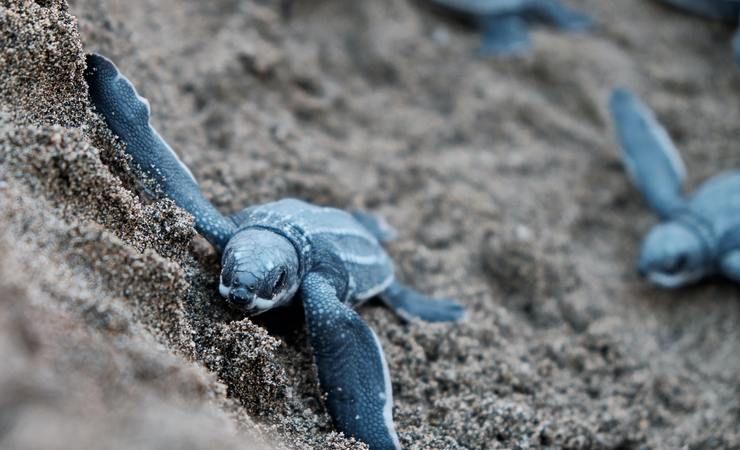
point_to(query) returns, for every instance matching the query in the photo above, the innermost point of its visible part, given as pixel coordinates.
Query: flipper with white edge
(648, 153)
(127, 115)
(351, 365)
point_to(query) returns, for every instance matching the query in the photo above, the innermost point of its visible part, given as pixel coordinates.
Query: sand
(501, 176)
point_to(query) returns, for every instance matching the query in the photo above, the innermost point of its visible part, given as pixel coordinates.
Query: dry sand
(502, 177)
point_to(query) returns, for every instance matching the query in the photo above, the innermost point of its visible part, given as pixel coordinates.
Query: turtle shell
(315, 229)
(718, 201)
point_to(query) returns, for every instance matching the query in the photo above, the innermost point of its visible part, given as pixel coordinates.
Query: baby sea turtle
(699, 235)
(330, 259)
(725, 10)
(505, 22)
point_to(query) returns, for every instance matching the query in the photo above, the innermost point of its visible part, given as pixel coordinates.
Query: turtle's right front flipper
(127, 115)
(352, 369)
(648, 153)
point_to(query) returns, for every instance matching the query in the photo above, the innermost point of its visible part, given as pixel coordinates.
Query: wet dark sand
(502, 177)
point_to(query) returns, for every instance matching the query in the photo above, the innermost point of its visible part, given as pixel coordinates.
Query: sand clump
(501, 177)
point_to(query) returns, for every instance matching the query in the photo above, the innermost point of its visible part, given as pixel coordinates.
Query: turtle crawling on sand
(505, 23)
(699, 235)
(330, 259)
(725, 10)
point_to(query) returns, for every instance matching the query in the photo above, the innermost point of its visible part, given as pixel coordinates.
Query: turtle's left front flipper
(351, 365)
(127, 115)
(648, 153)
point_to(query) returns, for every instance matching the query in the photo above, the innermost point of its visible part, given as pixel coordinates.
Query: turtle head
(259, 270)
(672, 255)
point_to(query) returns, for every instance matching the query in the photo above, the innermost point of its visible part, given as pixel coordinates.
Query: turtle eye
(677, 265)
(279, 282)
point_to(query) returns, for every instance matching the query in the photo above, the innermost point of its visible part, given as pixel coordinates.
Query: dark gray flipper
(377, 226)
(736, 46)
(648, 153)
(351, 366)
(127, 115)
(505, 34)
(408, 304)
(552, 12)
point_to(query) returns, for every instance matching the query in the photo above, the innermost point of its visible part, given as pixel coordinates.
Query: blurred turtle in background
(725, 10)
(505, 23)
(699, 234)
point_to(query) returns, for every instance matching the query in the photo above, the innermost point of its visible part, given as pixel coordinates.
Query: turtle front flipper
(504, 34)
(736, 46)
(351, 366)
(127, 115)
(648, 153)
(376, 225)
(554, 13)
(729, 250)
(408, 304)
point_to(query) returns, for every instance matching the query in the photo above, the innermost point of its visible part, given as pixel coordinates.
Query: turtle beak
(251, 304)
(239, 295)
(241, 298)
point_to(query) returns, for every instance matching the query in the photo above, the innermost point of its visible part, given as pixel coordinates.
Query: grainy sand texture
(502, 177)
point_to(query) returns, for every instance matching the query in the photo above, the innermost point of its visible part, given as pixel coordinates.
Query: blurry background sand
(502, 177)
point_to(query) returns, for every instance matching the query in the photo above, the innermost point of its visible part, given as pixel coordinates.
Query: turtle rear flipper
(352, 369)
(408, 304)
(377, 226)
(127, 115)
(504, 34)
(648, 153)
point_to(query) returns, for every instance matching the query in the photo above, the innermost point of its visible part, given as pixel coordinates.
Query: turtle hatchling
(700, 234)
(505, 23)
(272, 253)
(723, 10)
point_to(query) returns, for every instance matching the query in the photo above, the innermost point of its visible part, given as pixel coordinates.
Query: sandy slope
(501, 176)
